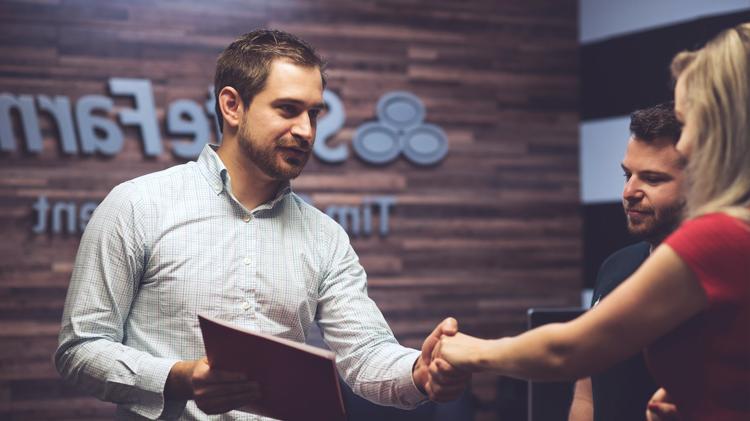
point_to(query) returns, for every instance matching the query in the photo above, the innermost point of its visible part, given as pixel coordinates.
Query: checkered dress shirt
(165, 246)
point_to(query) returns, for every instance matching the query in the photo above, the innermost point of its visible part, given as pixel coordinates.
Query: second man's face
(652, 197)
(278, 128)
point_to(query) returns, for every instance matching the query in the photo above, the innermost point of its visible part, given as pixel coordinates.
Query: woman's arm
(658, 297)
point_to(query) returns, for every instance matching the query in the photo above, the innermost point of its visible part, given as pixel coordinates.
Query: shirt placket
(249, 263)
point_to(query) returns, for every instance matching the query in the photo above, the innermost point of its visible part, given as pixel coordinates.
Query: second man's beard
(661, 225)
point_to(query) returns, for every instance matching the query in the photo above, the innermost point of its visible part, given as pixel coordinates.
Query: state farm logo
(399, 130)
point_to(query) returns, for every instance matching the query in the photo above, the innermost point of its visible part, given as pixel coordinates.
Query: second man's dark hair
(655, 122)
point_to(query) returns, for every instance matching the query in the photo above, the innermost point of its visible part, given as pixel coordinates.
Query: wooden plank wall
(488, 232)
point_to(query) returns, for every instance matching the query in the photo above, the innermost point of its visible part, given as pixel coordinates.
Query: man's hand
(214, 391)
(661, 409)
(582, 407)
(435, 377)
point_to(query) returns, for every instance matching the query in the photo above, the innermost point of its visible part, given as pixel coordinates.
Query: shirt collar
(215, 172)
(213, 168)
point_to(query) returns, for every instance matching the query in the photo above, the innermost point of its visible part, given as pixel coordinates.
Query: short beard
(663, 225)
(264, 159)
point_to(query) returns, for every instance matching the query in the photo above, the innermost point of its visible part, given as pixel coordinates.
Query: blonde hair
(717, 82)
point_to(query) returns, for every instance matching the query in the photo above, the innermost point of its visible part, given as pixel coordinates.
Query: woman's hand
(462, 351)
(660, 408)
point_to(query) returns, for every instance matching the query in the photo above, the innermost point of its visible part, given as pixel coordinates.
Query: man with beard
(227, 236)
(653, 201)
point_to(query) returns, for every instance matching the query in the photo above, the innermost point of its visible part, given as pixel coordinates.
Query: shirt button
(246, 260)
(247, 219)
(246, 305)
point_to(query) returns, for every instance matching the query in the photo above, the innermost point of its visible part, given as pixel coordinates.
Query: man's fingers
(662, 412)
(204, 374)
(428, 389)
(444, 372)
(663, 409)
(445, 381)
(436, 350)
(659, 396)
(218, 391)
(209, 392)
(430, 342)
(428, 348)
(218, 404)
(223, 376)
(449, 326)
(236, 388)
(660, 408)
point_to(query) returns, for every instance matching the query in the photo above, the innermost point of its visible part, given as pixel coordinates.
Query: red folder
(297, 381)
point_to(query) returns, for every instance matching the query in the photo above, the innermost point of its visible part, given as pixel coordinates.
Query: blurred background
(498, 192)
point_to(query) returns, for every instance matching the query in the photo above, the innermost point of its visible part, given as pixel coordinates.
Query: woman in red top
(688, 305)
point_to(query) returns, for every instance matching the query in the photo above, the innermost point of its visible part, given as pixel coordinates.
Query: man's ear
(231, 107)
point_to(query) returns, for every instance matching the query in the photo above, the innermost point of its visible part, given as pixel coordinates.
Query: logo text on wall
(399, 130)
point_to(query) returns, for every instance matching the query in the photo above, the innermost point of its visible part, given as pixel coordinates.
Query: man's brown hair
(245, 64)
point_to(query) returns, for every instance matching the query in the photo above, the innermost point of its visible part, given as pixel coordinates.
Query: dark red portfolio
(298, 382)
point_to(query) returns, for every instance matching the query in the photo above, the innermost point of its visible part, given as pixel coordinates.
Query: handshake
(441, 376)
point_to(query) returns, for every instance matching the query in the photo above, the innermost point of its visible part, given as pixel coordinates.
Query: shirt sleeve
(369, 358)
(715, 247)
(106, 274)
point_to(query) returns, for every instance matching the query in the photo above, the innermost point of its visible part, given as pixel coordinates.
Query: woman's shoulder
(716, 224)
(714, 245)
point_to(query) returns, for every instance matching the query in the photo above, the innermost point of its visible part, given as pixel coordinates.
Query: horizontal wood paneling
(483, 235)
